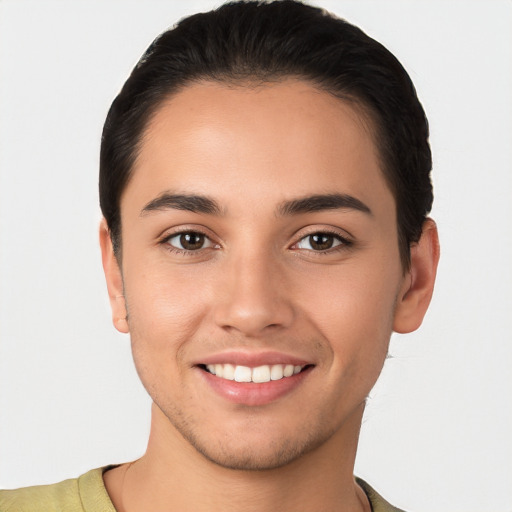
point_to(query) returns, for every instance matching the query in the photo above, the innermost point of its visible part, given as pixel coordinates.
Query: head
(257, 43)
(265, 183)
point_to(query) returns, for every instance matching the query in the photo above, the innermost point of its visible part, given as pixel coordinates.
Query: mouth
(253, 379)
(259, 374)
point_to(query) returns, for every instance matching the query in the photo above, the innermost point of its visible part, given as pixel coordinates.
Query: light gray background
(437, 432)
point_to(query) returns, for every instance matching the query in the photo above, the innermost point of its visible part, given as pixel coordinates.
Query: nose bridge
(254, 296)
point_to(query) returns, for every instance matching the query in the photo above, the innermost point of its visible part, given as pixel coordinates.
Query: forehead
(281, 139)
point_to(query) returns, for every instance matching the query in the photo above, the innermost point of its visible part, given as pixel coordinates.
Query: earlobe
(416, 292)
(114, 280)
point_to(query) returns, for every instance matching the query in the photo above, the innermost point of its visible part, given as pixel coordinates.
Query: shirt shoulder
(84, 494)
(378, 503)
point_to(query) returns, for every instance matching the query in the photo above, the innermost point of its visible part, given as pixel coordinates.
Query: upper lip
(253, 359)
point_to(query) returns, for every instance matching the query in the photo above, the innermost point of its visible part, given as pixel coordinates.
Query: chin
(247, 449)
(248, 458)
(255, 440)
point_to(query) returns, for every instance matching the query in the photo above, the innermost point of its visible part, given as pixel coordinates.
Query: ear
(114, 280)
(418, 286)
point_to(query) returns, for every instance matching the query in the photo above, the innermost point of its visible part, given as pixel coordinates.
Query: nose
(252, 296)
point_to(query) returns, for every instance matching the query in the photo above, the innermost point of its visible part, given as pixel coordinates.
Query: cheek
(160, 299)
(353, 310)
(164, 312)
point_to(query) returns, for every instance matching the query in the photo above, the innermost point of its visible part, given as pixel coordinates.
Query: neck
(172, 475)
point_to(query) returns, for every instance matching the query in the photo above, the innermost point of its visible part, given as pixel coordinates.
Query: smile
(253, 379)
(259, 374)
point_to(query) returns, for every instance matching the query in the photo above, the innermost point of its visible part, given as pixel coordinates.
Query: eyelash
(344, 242)
(165, 241)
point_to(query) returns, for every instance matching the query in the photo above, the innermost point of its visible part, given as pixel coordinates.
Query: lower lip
(252, 393)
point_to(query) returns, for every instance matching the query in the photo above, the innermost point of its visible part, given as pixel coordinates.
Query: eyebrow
(188, 202)
(205, 205)
(321, 202)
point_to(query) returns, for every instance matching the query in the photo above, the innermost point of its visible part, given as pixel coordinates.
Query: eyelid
(185, 228)
(209, 242)
(337, 241)
(170, 233)
(343, 236)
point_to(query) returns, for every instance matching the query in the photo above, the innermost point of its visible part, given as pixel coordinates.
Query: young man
(265, 186)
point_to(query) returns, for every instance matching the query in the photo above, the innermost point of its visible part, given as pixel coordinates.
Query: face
(260, 267)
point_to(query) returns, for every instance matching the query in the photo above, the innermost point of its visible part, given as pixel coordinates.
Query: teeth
(288, 370)
(243, 374)
(276, 372)
(229, 372)
(260, 374)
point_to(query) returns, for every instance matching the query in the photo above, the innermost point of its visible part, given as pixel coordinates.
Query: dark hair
(268, 41)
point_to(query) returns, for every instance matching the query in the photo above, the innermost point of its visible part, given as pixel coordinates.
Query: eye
(189, 241)
(321, 242)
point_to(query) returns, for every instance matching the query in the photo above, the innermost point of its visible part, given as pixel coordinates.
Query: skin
(258, 285)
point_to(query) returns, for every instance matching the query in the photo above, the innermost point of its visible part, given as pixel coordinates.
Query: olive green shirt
(88, 494)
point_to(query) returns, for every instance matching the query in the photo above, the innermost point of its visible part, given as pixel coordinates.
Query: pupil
(191, 241)
(321, 242)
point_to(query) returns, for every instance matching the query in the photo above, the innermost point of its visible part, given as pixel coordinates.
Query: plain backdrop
(437, 434)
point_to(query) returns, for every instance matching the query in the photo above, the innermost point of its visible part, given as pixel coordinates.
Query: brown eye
(320, 242)
(189, 241)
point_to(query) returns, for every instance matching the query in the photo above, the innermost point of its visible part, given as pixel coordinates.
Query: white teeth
(243, 374)
(288, 370)
(276, 372)
(261, 374)
(229, 372)
(264, 373)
